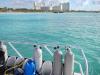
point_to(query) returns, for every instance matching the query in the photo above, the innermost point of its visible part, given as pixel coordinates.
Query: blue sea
(79, 30)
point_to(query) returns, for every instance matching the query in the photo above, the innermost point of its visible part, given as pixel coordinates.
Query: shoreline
(19, 12)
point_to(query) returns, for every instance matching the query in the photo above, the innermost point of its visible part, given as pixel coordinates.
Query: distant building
(45, 8)
(56, 8)
(65, 6)
(38, 5)
(62, 7)
(51, 7)
(34, 7)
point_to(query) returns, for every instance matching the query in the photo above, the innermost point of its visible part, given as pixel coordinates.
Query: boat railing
(84, 58)
(12, 46)
(86, 61)
(51, 53)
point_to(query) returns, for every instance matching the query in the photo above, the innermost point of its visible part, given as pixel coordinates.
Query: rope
(15, 66)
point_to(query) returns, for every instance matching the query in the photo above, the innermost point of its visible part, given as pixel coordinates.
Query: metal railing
(86, 62)
(80, 66)
(18, 53)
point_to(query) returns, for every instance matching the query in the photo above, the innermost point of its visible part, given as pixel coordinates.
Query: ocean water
(75, 29)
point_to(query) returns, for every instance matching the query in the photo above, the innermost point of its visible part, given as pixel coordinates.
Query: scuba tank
(29, 67)
(57, 64)
(68, 62)
(3, 51)
(38, 57)
(46, 68)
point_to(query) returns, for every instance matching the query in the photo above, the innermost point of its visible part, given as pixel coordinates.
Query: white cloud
(86, 2)
(90, 5)
(63, 1)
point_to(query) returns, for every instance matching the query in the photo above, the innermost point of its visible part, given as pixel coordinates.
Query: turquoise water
(75, 29)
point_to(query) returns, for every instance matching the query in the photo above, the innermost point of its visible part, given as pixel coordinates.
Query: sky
(85, 4)
(74, 4)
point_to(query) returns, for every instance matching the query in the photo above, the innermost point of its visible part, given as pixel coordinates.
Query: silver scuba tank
(4, 49)
(68, 62)
(46, 68)
(57, 64)
(38, 57)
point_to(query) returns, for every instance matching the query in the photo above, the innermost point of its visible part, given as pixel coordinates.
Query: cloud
(93, 2)
(91, 5)
(85, 4)
(96, 2)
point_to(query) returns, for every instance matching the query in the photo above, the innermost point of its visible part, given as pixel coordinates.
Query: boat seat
(46, 68)
(11, 61)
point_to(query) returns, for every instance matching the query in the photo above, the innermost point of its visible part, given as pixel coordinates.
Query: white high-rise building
(62, 7)
(56, 8)
(34, 7)
(65, 6)
(38, 5)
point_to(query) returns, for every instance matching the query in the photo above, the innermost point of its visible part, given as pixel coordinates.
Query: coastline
(41, 11)
(11, 10)
(22, 12)
(49, 12)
